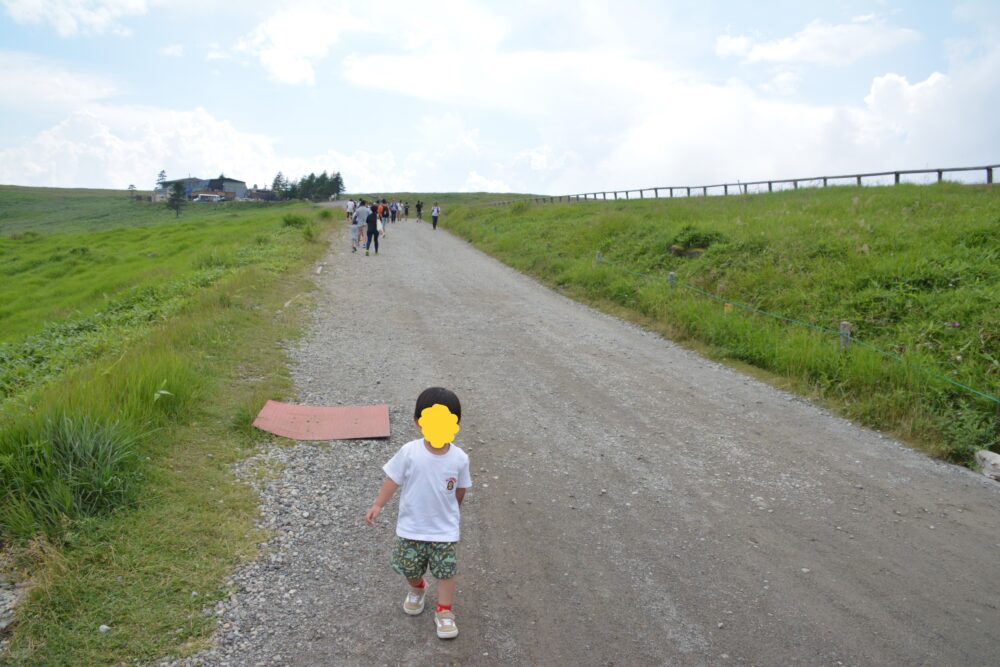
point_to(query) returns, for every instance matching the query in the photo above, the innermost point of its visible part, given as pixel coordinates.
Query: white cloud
(544, 158)
(294, 40)
(820, 43)
(29, 83)
(291, 41)
(476, 183)
(172, 51)
(216, 52)
(782, 83)
(104, 146)
(72, 17)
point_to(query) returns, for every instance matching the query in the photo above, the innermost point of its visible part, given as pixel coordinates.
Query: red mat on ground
(308, 422)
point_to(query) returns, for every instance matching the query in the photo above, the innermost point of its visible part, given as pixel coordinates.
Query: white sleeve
(464, 476)
(397, 467)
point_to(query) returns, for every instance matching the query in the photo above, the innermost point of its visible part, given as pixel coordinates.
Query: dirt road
(633, 503)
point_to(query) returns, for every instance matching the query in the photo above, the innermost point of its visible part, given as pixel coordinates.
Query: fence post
(704, 191)
(824, 181)
(671, 193)
(940, 175)
(627, 195)
(689, 192)
(597, 258)
(895, 178)
(642, 195)
(795, 184)
(605, 195)
(859, 181)
(615, 193)
(725, 189)
(656, 193)
(770, 187)
(989, 175)
(845, 335)
(672, 279)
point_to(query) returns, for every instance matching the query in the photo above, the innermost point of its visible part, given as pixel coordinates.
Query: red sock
(442, 607)
(422, 583)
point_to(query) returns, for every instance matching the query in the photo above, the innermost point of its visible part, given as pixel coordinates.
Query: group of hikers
(369, 219)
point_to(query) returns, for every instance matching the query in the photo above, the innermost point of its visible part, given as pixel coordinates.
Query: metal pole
(845, 335)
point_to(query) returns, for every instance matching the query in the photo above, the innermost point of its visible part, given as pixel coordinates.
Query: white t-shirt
(435, 211)
(428, 509)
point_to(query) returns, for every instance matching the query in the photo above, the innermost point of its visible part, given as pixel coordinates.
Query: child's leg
(446, 591)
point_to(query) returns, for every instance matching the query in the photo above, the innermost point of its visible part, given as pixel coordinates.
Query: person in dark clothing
(372, 223)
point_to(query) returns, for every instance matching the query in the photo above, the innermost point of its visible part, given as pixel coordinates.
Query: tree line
(312, 187)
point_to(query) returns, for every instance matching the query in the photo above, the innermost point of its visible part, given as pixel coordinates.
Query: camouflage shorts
(411, 558)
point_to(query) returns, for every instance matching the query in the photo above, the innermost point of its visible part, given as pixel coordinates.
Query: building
(227, 188)
(232, 188)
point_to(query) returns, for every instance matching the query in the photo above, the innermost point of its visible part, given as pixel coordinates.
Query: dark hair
(445, 397)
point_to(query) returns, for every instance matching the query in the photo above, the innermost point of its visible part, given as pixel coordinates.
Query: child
(434, 474)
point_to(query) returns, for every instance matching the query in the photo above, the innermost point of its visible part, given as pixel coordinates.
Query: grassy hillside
(136, 349)
(914, 269)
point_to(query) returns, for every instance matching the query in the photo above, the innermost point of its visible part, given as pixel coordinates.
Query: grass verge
(182, 395)
(915, 269)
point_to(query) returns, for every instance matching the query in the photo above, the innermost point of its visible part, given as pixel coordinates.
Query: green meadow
(135, 349)
(914, 269)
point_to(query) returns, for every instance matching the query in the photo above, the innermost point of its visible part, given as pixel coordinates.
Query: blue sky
(548, 97)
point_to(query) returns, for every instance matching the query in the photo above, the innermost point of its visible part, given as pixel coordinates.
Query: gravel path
(633, 503)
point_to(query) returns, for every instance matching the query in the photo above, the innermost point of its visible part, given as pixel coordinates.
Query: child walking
(433, 473)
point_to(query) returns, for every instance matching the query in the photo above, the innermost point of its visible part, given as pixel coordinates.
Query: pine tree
(279, 185)
(177, 199)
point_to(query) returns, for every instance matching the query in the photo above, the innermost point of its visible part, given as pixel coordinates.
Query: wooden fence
(743, 188)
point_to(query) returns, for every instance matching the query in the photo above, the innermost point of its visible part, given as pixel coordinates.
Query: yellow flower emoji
(438, 425)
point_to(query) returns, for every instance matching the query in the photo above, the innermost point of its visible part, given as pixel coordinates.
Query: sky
(550, 97)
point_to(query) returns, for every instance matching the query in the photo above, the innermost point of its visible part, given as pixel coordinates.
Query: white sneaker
(445, 622)
(414, 602)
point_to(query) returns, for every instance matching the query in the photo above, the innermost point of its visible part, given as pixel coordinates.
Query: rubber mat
(309, 422)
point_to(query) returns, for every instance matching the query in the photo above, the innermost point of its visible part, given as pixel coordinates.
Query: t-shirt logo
(451, 483)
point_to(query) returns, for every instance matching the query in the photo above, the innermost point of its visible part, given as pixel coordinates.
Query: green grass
(901, 264)
(115, 491)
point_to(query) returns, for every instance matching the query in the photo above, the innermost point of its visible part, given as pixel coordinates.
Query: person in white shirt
(359, 225)
(433, 473)
(435, 212)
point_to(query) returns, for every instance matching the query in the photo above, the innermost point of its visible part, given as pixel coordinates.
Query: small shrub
(309, 232)
(213, 259)
(326, 214)
(293, 220)
(64, 468)
(690, 237)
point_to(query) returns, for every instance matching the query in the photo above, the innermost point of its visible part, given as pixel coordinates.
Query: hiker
(406, 210)
(393, 210)
(349, 208)
(433, 473)
(420, 210)
(435, 212)
(358, 223)
(372, 222)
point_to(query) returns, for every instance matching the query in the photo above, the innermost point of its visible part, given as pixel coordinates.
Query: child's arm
(384, 495)
(460, 496)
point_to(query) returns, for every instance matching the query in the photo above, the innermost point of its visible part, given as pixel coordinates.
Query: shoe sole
(447, 635)
(417, 612)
